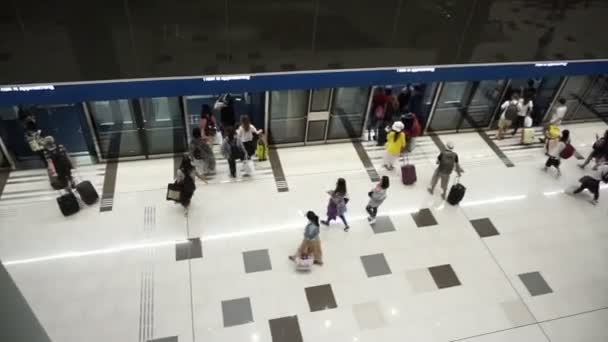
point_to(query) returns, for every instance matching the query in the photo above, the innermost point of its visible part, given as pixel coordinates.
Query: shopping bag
(174, 192)
(248, 168)
(528, 122)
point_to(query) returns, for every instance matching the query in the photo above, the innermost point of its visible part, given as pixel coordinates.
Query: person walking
(233, 150)
(376, 114)
(58, 155)
(599, 151)
(592, 182)
(185, 179)
(553, 125)
(337, 204)
(412, 129)
(554, 151)
(248, 135)
(525, 109)
(227, 113)
(201, 155)
(395, 144)
(376, 197)
(311, 241)
(207, 124)
(510, 111)
(447, 162)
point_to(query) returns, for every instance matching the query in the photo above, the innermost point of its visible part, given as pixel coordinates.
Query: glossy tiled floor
(518, 260)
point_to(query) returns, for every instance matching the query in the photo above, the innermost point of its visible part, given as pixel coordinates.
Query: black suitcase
(68, 204)
(456, 193)
(87, 192)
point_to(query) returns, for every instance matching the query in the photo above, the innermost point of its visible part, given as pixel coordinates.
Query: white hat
(397, 126)
(450, 145)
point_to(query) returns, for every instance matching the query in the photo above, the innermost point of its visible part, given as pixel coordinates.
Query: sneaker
(582, 166)
(320, 263)
(558, 174)
(594, 202)
(292, 258)
(443, 195)
(429, 190)
(372, 220)
(346, 228)
(369, 218)
(325, 223)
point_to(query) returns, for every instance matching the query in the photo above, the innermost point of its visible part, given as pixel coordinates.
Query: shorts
(504, 123)
(552, 161)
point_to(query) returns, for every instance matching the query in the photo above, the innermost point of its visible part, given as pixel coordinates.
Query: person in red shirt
(378, 101)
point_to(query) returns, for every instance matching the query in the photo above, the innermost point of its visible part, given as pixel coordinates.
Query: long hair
(384, 183)
(245, 122)
(186, 165)
(312, 217)
(565, 136)
(396, 135)
(205, 111)
(341, 186)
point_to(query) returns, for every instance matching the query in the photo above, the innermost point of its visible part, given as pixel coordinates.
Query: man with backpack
(58, 155)
(447, 162)
(510, 112)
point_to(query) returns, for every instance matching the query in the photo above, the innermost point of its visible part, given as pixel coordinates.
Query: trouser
(445, 179)
(592, 155)
(389, 159)
(232, 166)
(519, 122)
(341, 218)
(591, 184)
(372, 211)
(314, 246)
(250, 148)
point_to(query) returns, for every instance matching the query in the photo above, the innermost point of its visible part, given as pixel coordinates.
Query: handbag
(174, 191)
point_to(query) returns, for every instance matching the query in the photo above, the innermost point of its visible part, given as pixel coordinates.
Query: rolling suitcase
(408, 173)
(68, 204)
(456, 193)
(87, 192)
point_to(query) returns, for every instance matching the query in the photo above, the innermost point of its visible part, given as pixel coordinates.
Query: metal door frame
(7, 156)
(323, 116)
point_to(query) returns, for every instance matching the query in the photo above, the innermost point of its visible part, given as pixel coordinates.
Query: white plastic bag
(528, 122)
(248, 168)
(218, 138)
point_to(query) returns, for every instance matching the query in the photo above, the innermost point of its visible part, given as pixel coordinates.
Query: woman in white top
(525, 108)
(247, 133)
(554, 150)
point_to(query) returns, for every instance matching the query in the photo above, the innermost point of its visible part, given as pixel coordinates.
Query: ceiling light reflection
(110, 250)
(493, 200)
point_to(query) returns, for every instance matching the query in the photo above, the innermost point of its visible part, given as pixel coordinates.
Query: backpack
(599, 145)
(447, 160)
(567, 152)
(379, 112)
(512, 111)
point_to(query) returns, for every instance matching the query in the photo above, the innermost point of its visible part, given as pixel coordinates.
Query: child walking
(376, 198)
(555, 149)
(337, 204)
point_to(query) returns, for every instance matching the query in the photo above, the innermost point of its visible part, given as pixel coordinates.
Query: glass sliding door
(483, 103)
(348, 112)
(288, 116)
(164, 125)
(318, 115)
(118, 133)
(448, 112)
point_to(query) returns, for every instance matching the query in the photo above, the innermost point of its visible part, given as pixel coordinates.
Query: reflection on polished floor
(518, 260)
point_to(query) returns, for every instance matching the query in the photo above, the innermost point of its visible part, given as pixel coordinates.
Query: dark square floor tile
(424, 218)
(256, 261)
(237, 311)
(189, 250)
(320, 297)
(285, 329)
(375, 265)
(164, 339)
(484, 227)
(535, 283)
(383, 224)
(444, 276)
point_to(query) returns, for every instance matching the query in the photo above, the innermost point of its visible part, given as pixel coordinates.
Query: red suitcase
(408, 173)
